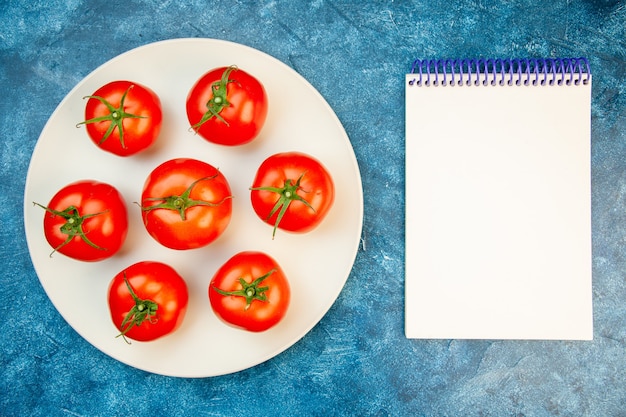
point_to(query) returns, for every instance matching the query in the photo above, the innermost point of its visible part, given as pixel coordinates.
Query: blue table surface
(356, 361)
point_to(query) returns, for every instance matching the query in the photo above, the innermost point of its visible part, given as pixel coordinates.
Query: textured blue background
(357, 360)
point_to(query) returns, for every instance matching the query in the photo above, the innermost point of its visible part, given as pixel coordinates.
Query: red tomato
(86, 220)
(292, 191)
(147, 300)
(227, 106)
(123, 117)
(250, 291)
(186, 203)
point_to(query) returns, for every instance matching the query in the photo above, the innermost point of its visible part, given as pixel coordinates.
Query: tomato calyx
(287, 195)
(218, 100)
(142, 310)
(250, 291)
(73, 226)
(116, 117)
(182, 202)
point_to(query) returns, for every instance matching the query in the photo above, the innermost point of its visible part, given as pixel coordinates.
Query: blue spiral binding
(511, 71)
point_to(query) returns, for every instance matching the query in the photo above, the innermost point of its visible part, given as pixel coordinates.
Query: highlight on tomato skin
(227, 106)
(86, 220)
(147, 300)
(123, 117)
(250, 291)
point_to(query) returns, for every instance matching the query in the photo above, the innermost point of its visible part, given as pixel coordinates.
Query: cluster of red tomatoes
(186, 204)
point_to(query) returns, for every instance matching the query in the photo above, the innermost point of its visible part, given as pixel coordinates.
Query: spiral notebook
(498, 199)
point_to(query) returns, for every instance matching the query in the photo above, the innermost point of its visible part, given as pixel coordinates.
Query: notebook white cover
(498, 212)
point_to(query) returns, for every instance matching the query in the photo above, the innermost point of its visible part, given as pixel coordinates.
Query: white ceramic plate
(317, 264)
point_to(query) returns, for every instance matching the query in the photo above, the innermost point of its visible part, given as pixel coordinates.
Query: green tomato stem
(287, 195)
(181, 203)
(116, 117)
(142, 310)
(250, 291)
(218, 100)
(73, 225)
